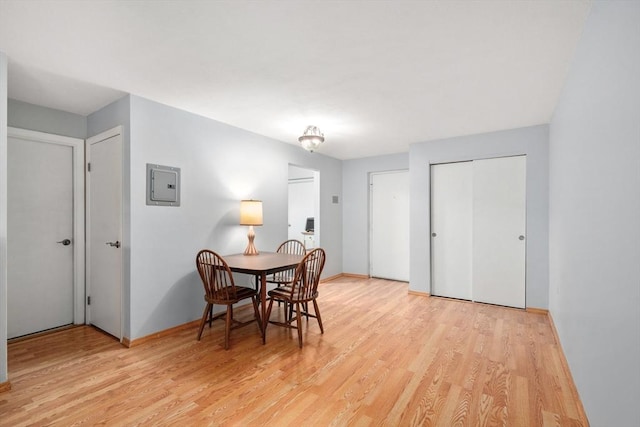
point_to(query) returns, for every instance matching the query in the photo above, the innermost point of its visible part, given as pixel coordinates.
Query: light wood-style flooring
(386, 358)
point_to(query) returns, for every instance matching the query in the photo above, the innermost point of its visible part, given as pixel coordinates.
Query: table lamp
(251, 214)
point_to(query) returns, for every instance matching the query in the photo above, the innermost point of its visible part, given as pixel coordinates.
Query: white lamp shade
(250, 212)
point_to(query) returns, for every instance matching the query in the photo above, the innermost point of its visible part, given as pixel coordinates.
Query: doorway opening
(304, 206)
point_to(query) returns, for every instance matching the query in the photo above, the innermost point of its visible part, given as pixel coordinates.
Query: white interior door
(499, 225)
(44, 241)
(389, 257)
(451, 229)
(104, 231)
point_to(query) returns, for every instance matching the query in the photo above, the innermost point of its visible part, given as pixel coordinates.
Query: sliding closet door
(499, 231)
(451, 222)
(478, 230)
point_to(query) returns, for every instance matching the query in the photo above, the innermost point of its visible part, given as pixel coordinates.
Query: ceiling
(375, 76)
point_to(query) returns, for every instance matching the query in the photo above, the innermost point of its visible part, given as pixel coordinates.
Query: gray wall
(532, 141)
(42, 119)
(355, 207)
(220, 165)
(3, 218)
(595, 215)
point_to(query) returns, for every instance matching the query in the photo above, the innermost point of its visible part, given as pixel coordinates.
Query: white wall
(532, 141)
(355, 207)
(3, 218)
(220, 165)
(595, 215)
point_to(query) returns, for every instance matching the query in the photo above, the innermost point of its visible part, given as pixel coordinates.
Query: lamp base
(251, 249)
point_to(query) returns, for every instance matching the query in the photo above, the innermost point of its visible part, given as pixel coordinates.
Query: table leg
(263, 306)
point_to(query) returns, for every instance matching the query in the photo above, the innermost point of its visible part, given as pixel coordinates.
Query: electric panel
(163, 185)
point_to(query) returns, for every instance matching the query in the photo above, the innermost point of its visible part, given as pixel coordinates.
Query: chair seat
(242, 292)
(284, 293)
(281, 278)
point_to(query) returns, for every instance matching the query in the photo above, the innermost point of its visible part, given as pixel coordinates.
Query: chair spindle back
(293, 247)
(216, 276)
(307, 275)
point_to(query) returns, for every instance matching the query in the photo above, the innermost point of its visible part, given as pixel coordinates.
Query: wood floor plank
(387, 358)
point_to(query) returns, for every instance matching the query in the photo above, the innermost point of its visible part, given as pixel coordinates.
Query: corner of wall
(4, 374)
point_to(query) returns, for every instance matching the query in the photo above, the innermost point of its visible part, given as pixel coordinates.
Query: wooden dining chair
(220, 289)
(303, 289)
(292, 247)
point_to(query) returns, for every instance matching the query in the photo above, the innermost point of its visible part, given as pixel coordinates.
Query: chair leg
(266, 321)
(204, 319)
(315, 306)
(210, 314)
(299, 323)
(277, 286)
(257, 314)
(227, 326)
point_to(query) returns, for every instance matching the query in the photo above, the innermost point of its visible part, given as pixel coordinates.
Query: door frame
(77, 146)
(118, 130)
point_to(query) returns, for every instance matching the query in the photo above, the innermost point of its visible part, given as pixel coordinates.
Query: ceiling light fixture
(311, 138)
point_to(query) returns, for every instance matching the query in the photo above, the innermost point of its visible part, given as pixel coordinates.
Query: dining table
(260, 266)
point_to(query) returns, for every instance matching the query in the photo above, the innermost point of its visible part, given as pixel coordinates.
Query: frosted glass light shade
(311, 138)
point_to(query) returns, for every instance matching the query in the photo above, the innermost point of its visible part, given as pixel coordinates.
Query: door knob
(65, 242)
(115, 244)
(433, 234)
(521, 237)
